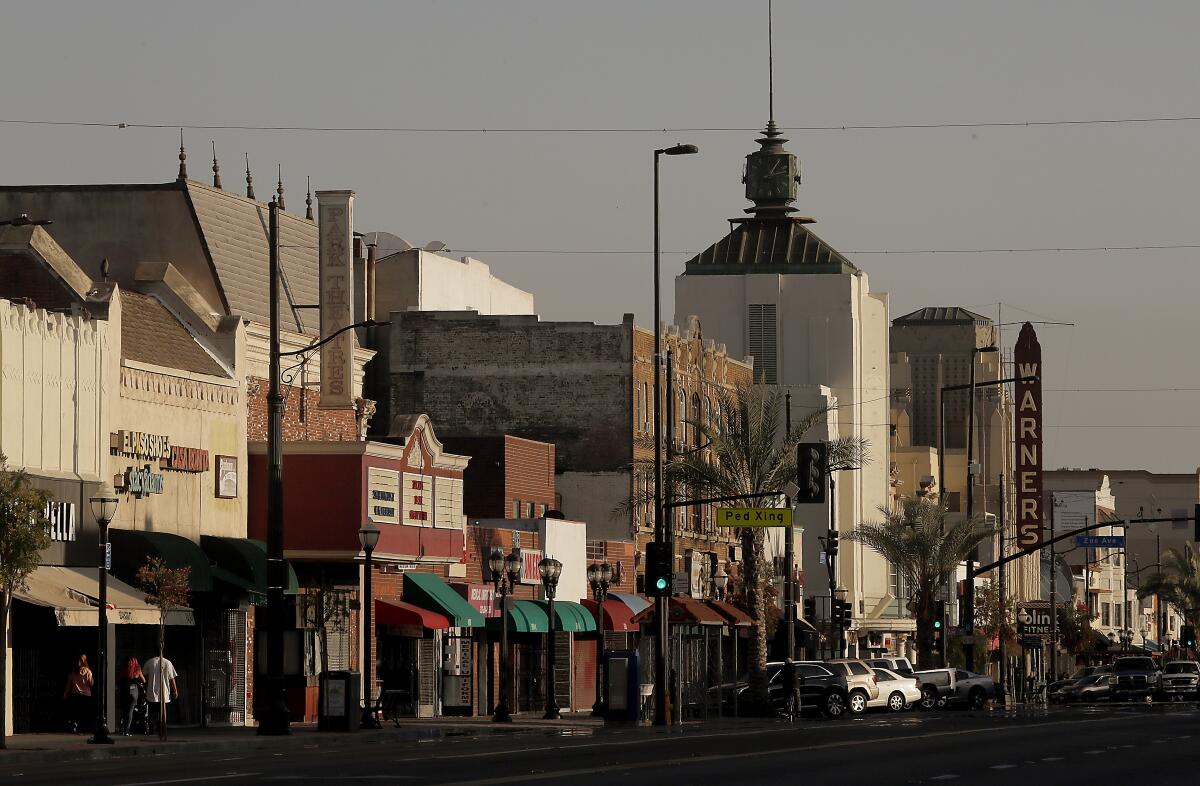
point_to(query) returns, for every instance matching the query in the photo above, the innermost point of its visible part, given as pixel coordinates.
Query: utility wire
(895, 252)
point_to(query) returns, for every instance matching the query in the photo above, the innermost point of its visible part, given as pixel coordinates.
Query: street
(1056, 746)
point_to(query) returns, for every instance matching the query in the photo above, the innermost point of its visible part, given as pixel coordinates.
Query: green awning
(524, 616)
(131, 549)
(430, 592)
(242, 562)
(570, 616)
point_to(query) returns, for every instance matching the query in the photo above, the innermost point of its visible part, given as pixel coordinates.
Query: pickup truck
(937, 686)
(1181, 680)
(1134, 677)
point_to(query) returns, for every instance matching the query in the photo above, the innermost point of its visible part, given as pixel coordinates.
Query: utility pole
(835, 631)
(673, 715)
(1003, 612)
(789, 554)
(1053, 601)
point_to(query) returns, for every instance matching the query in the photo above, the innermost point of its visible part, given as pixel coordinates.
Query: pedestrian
(77, 695)
(791, 690)
(133, 687)
(160, 675)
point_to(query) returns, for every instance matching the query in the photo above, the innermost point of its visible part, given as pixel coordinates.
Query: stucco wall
(425, 281)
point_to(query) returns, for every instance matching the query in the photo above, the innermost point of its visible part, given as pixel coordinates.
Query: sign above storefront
(530, 572)
(157, 448)
(335, 228)
(139, 481)
(1033, 621)
(60, 518)
(383, 495)
(1027, 357)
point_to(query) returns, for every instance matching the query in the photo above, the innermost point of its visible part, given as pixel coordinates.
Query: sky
(693, 64)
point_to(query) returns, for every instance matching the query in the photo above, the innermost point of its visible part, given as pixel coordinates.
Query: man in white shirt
(160, 686)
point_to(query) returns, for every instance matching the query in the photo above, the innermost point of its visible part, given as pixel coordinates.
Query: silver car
(896, 692)
(974, 690)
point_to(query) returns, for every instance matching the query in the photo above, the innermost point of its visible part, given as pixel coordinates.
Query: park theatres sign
(158, 448)
(1027, 357)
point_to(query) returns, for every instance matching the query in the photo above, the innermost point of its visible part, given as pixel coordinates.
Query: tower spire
(308, 200)
(279, 190)
(249, 179)
(771, 172)
(182, 159)
(216, 167)
(770, 65)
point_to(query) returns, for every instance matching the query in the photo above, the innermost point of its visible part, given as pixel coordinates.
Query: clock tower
(771, 176)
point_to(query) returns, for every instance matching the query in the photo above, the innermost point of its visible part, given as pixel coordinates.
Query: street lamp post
(660, 531)
(969, 590)
(720, 582)
(368, 537)
(506, 573)
(599, 576)
(550, 569)
(104, 509)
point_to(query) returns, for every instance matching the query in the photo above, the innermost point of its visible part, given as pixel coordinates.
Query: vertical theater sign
(1027, 357)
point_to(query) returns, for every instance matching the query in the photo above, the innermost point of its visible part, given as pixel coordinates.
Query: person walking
(77, 695)
(791, 690)
(133, 684)
(159, 674)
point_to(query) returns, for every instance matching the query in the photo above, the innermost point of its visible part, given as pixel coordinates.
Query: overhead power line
(1100, 121)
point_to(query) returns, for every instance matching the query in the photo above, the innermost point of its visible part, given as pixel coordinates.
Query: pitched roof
(151, 334)
(942, 314)
(774, 246)
(234, 230)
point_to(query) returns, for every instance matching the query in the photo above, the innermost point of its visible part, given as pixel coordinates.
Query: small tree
(1075, 628)
(23, 536)
(988, 618)
(166, 588)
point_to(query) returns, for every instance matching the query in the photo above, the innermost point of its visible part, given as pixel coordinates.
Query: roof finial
(249, 179)
(770, 67)
(216, 167)
(308, 201)
(104, 269)
(279, 190)
(182, 159)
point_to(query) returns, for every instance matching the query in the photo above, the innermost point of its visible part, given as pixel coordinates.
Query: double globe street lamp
(368, 538)
(104, 510)
(550, 569)
(599, 575)
(506, 574)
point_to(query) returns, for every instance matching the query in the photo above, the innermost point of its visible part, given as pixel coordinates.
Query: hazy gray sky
(685, 63)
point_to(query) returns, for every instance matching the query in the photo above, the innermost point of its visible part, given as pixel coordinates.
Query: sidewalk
(26, 749)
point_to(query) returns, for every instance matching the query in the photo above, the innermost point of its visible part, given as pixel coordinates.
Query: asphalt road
(1073, 745)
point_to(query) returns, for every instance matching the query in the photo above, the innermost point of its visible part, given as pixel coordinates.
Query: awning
(524, 616)
(618, 618)
(430, 592)
(636, 603)
(570, 617)
(74, 594)
(397, 612)
(686, 611)
(131, 549)
(242, 562)
(732, 614)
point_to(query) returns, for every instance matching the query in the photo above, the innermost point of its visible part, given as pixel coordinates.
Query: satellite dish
(434, 245)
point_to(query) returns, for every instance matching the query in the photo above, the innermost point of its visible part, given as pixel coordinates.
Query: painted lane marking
(1053, 758)
(1092, 753)
(946, 777)
(1003, 766)
(225, 777)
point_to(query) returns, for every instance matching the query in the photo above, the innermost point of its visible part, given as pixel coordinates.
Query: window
(528, 510)
(861, 669)
(516, 511)
(1105, 614)
(763, 341)
(811, 670)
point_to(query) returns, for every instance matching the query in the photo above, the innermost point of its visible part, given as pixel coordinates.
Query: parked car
(1180, 680)
(1056, 687)
(860, 681)
(820, 691)
(1091, 688)
(937, 686)
(902, 666)
(972, 690)
(1134, 677)
(896, 692)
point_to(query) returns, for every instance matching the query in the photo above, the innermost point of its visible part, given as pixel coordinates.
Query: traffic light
(831, 544)
(835, 613)
(1187, 637)
(847, 617)
(659, 569)
(812, 464)
(939, 616)
(810, 609)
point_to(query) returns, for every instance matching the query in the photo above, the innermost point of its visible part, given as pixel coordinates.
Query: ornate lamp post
(104, 510)
(504, 567)
(368, 536)
(599, 576)
(721, 582)
(550, 569)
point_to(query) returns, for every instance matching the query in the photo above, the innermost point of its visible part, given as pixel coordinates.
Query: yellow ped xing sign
(754, 517)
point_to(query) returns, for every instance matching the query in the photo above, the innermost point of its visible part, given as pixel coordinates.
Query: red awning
(731, 613)
(618, 618)
(397, 612)
(686, 611)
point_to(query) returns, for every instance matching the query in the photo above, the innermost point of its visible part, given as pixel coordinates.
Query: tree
(926, 549)
(1075, 628)
(24, 534)
(989, 622)
(1177, 584)
(741, 449)
(166, 588)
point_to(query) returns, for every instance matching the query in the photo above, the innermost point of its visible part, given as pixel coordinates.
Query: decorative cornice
(151, 387)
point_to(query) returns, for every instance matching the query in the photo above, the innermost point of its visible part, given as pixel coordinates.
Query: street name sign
(754, 517)
(1100, 541)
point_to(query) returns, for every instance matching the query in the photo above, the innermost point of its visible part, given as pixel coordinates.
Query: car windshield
(1182, 668)
(886, 675)
(1083, 673)
(1095, 679)
(1133, 664)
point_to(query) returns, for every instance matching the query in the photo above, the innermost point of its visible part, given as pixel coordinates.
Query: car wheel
(896, 702)
(834, 705)
(977, 699)
(929, 698)
(858, 703)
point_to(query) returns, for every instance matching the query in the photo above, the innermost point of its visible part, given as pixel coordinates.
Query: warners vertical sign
(1027, 358)
(336, 228)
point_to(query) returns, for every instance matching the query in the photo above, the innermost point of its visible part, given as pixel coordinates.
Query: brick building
(508, 477)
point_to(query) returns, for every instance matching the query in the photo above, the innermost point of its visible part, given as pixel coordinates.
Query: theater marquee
(1027, 357)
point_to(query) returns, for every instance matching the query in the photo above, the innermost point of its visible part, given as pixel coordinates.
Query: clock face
(770, 177)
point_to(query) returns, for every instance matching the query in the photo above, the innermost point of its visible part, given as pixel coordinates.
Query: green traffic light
(937, 625)
(661, 583)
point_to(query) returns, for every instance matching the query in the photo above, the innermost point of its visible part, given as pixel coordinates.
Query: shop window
(325, 614)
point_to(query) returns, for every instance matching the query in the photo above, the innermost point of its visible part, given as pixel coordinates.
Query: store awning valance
(683, 610)
(732, 614)
(73, 594)
(243, 563)
(397, 612)
(430, 592)
(131, 549)
(635, 602)
(618, 618)
(524, 616)
(570, 617)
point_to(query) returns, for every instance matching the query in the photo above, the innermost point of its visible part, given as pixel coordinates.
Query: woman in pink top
(78, 694)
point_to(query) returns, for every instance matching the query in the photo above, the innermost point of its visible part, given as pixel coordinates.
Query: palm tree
(1178, 583)
(926, 549)
(742, 450)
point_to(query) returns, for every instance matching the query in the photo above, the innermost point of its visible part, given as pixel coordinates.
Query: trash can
(337, 701)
